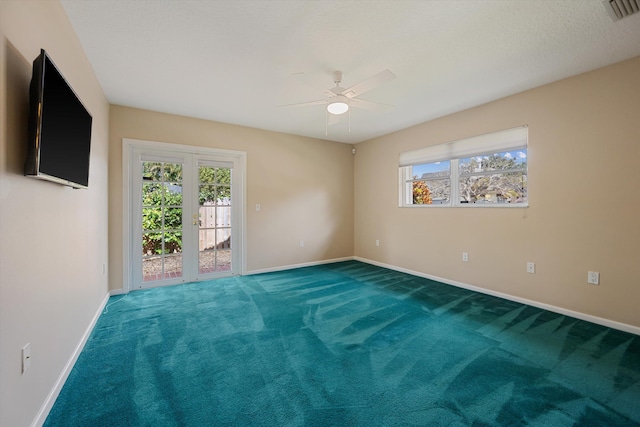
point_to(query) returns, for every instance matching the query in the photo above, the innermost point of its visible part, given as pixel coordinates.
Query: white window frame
(487, 144)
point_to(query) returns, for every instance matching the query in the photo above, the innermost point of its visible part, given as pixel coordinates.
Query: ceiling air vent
(619, 9)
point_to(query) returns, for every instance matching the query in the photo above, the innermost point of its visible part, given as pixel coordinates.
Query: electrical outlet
(26, 357)
(593, 277)
(531, 267)
(258, 207)
(302, 243)
(465, 257)
(377, 242)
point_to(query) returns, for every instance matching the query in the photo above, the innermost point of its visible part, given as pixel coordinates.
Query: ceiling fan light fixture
(338, 105)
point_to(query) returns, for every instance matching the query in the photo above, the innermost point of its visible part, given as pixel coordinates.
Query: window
(430, 183)
(487, 170)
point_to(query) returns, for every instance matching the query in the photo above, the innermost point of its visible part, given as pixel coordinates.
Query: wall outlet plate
(531, 267)
(593, 277)
(465, 256)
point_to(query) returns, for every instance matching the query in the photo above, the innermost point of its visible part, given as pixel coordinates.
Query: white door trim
(128, 147)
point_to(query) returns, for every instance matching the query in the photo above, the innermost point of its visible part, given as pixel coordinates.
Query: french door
(186, 216)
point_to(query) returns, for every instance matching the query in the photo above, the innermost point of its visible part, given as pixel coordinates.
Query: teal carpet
(345, 344)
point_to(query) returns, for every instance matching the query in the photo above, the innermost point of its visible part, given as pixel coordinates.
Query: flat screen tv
(59, 128)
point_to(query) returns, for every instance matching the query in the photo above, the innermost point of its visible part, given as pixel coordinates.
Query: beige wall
(304, 187)
(53, 239)
(584, 196)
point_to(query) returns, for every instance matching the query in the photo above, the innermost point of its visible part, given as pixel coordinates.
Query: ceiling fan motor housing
(337, 77)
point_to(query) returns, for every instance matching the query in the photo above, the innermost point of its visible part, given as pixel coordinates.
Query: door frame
(128, 147)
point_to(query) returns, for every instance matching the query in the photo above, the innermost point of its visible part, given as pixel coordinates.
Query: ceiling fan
(339, 100)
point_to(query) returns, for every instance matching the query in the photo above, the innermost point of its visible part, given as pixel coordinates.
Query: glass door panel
(214, 217)
(162, 209)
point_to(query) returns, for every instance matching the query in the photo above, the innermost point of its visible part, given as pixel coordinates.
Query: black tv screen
(59, 128)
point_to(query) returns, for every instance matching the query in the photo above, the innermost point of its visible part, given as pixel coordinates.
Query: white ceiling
(232, 60)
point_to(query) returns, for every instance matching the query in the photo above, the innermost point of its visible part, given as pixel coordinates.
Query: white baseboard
(582, 316)
(55, 391)
(114, 292)
(305, 264)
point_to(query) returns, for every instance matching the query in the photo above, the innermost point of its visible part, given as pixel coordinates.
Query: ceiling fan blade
(306, 104)
(369, 105)
(303, 78)
(369, 84)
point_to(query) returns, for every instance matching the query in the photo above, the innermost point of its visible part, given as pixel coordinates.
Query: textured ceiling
(233, 61)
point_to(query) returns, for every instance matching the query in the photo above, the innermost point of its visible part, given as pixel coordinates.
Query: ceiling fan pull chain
(326, 122)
